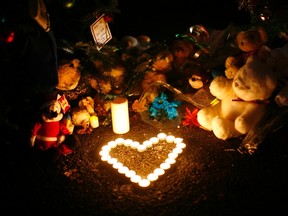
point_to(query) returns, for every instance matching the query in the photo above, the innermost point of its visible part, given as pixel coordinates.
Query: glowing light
(181, 145)
(154, 140)
(178, 140)
(117, 165)
(119, 141)
(173, 155)
(120, 115)
(177, 150)
(127, 142)
(141, 148)
(170, 138)
(112, 144)
(159, 171)
(132, 174)
(144, 182)
(165, 166)
(123, 169)
(147, 143)
(152, 177)
(161, 136)
(135, 178)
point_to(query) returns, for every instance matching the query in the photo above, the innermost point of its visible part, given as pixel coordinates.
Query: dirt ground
(210, 176)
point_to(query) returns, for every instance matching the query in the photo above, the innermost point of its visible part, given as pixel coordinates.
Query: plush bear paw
(220, 128)
(204, 119)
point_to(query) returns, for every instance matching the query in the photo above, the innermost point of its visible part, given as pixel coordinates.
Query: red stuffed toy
(50, 131)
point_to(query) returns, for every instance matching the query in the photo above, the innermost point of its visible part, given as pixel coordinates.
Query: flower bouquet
(159, 105)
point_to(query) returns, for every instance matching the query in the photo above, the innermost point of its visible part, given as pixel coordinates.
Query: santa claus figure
(50, 131)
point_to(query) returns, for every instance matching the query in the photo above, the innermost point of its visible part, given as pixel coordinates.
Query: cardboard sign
(101, 32)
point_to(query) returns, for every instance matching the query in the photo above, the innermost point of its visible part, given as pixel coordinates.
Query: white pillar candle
(120, 115)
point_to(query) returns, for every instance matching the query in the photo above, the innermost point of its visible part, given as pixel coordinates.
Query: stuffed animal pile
(243, 100)
(249, 42)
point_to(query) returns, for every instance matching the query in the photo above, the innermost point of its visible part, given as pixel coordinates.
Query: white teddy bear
(243, 100)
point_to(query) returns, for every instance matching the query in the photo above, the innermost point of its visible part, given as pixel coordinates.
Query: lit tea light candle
(181, 145)
(152, 177)
(127, 142)
(106, 148)
(134, 145)
(173, 155)
(135, 178)
(165, 166)
(170, 160)
(112, 144)
(117, 165)
(147, 143)
(154, 140)
(141, 148)
(177, 150)
(161, 136)
(178, 140)
(103, 153)
(170, 138)
(130, 173)
(144, 182)
(119, 141)
(105, 157)
(112, 161)
(159, 171)
(120, 115)
(123, 169)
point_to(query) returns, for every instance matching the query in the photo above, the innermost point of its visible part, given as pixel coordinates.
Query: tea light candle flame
(161, 136)
(144, 182)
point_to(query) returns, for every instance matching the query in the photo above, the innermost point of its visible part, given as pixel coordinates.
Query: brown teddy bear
(69, 74)
(249, 42)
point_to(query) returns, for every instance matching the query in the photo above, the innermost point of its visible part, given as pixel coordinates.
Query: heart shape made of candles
(145, 162)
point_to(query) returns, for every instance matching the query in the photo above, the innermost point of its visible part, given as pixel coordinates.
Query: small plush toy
(68, 74)
(50, 131)
(277, 59)
(155, 69)
(243, 100)
(84, 117)
(249, 42)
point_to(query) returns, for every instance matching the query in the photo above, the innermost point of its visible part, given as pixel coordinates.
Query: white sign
(101, 32)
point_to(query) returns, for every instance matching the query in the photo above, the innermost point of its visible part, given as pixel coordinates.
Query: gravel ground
(210, 177)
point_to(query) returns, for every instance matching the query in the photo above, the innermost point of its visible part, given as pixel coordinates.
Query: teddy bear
(248, 42)
(277, 59)
(84, 117)
(68, 74)
(243, 100)
(50, 130)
